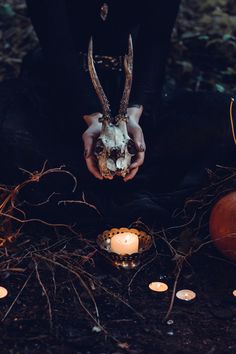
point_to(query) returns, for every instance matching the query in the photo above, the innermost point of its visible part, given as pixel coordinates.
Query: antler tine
(128, 65)
(97, 85)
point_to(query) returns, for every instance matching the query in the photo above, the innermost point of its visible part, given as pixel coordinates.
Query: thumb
(139, 140)
(88, 145)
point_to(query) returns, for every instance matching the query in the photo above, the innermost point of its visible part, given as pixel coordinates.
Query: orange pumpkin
(222, 225)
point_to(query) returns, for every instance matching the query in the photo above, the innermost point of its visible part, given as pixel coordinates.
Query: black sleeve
(50, 20)
(151, 49)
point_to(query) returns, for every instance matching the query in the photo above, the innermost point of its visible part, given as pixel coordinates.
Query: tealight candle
(158, 287)
(186, 295)
(231, 296)
(125, 243)
(3, 292)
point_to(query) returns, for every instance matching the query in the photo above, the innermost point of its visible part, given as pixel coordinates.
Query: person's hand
(89, 138)
(136, 133)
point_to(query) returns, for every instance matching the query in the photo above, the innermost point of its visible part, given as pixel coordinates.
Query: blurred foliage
(17, 36)
(203, 49)
(204, 46)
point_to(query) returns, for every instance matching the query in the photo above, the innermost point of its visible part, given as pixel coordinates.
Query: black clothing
(64, 28)
(193, 132)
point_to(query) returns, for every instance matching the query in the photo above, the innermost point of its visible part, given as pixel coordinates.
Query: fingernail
(86, 154)
(141, 148)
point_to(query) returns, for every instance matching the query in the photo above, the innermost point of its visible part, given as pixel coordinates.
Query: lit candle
(231, 296)
(125, 243)
(158, 287)
(186, 295)
(3, 292)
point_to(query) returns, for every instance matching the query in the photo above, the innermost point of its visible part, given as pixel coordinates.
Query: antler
(97, 85)
(128, 65)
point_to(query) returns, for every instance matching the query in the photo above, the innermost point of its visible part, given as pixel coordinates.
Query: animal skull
(114, 148)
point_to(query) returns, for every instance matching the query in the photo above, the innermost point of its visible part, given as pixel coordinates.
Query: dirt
(131, 319)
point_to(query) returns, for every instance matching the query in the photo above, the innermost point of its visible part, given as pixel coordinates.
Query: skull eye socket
(99, 147)
(131, 147)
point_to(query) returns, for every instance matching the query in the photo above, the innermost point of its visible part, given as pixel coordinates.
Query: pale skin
(134, 130)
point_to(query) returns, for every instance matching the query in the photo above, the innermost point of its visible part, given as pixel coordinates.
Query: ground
(119, 314)
(64, 296)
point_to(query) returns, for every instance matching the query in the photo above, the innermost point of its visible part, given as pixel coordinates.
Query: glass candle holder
(124, 247)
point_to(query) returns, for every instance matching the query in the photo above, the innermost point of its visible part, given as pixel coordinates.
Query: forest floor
(63, 296)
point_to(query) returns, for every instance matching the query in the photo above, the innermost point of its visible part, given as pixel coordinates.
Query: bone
(112, 149)
(128, 66)
(97, 85)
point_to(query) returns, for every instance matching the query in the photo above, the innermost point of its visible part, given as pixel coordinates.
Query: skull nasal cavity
(115, 153)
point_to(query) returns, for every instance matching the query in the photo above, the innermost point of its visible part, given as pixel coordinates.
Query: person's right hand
(89, 138)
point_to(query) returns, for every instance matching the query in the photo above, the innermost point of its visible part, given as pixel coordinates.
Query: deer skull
(114, 148)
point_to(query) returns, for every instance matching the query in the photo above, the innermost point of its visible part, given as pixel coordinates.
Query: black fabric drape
(64, 28)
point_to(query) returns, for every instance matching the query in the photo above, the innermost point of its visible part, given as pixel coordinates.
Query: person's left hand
(136, 133)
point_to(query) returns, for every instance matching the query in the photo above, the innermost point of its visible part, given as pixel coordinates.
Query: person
(64, 28)
(184, 132)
